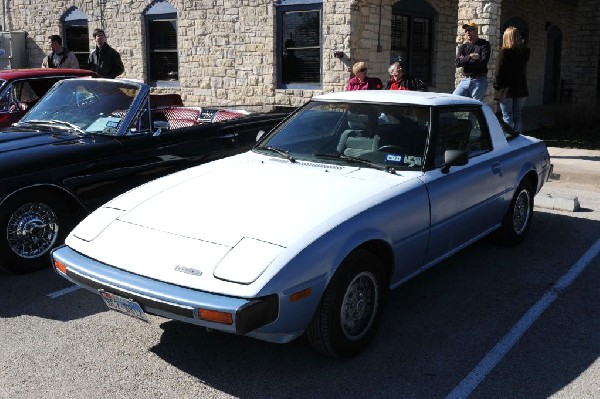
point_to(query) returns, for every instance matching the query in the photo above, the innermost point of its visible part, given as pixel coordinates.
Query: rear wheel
(31, 226)
(518, 218)
(350, 310)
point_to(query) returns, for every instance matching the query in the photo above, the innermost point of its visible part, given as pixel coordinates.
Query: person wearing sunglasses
(360, 80)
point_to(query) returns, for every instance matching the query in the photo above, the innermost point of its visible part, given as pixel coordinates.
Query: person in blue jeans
(473, 57)
(510, 82)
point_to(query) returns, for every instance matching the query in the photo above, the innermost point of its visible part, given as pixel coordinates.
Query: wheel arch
(528, 173)
(51, 189)
(383, 251)
(532, 178)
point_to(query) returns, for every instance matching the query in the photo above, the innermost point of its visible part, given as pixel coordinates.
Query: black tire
(350, 310)
(31, 225)
(517, 220)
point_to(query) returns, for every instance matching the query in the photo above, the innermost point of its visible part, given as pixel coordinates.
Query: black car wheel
(518, 219)
(349, 312)
(31, 227)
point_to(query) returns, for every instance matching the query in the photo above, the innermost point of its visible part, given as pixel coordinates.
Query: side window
(161, 45)
(461, 130)
(41, 86)
(23, 92)
(141, 122)
(299, 43)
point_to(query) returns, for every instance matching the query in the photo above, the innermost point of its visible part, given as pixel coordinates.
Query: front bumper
(167, 300)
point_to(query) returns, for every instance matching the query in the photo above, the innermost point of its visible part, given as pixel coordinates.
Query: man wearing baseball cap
(473, 57)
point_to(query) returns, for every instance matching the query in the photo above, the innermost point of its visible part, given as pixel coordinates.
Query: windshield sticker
(394, 158)
(413, 161)
(105, 124)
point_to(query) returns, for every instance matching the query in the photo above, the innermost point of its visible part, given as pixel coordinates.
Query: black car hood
(19, 138)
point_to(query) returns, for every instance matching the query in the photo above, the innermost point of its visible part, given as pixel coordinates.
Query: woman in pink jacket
(360, 80)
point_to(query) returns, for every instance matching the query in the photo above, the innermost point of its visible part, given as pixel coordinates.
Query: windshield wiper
(357, 160)
(54, 122)
(68, 124)
(284, 153)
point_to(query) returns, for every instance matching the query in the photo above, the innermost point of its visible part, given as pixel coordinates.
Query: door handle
(497, 169)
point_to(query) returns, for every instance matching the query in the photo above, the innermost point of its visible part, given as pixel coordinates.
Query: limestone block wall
(540, 15)
(227, 47)
(360, 28)
(486, 14)
(586, 60)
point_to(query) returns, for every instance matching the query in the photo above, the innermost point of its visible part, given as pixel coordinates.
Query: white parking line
(494, 356)
(64, 291)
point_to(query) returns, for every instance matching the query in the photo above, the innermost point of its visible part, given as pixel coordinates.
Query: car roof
(398, 97)
(11, 74)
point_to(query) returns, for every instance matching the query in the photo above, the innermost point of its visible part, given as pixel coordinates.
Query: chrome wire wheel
(32, 230)
(359, 306)
(522, 211)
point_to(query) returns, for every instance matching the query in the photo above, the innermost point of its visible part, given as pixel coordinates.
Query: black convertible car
(89, 140)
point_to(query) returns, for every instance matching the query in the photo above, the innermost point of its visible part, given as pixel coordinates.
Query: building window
(299, 43)
(412, 37)
(161, 44)
(76, 36)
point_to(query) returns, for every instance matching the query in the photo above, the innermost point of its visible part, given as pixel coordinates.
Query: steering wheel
(392, 148)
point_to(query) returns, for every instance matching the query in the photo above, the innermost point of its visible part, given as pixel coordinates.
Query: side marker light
(61, 267)
(296, 296)
(215, 316)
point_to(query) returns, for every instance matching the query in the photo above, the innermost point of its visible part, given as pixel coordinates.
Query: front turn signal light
(61, 267)
(215, 316)
(296, 296)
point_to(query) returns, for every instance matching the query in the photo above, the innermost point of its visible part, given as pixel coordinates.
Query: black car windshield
(381, 135)
(92, 105)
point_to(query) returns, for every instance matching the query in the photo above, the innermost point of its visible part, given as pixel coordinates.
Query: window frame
(157, 11)
(411, 10)
(433, 151)
(285, 6)
(76, 18)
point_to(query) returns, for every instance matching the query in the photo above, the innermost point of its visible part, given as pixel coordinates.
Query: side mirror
(159, 126)
(261, 133)
(454, 158)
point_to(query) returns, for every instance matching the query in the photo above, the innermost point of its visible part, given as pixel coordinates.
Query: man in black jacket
(473, 57)
(105, 60)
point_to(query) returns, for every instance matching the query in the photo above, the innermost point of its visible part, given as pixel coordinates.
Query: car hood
(229, 218)
(18, 138)
(265, 198)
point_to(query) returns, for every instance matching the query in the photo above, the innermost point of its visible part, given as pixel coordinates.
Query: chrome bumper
(167, 300)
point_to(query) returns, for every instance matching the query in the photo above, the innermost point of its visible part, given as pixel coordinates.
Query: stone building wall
(586, 60)
(555, 13)
(227, 47)
(485, 14)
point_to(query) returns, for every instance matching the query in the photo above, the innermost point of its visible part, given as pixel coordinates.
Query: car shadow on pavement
(34, 294)
(436, 328)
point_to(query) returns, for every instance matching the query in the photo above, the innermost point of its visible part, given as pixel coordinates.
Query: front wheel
(518, 218)
(31, 226)
(350, 310)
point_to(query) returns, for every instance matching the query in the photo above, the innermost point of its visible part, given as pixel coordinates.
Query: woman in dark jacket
(510, 83)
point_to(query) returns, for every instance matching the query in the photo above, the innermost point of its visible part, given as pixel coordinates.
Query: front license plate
(123, 305)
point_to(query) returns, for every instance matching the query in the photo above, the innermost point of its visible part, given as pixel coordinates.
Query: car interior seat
(404, 134)
(177, 117)
(360, 136)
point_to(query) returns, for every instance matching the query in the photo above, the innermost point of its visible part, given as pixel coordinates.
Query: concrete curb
(556, 202)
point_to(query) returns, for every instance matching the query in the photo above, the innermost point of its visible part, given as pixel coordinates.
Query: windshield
(91, 105)
(384, 135)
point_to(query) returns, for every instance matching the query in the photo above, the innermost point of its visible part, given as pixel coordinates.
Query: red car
(22, 88)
